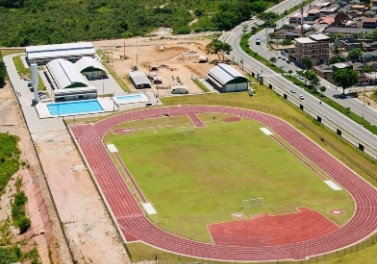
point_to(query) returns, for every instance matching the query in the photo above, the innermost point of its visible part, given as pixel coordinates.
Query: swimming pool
(131, 98)
(75, 108)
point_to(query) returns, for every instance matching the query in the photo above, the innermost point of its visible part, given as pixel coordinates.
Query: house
(296, 18)
(329, 10)
(324, 71)
(368, 22)
(329, 20)
(315, 47)
(313, 14)
(225, 78)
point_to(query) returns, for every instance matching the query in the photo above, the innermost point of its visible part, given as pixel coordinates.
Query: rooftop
(319, 37)
(304, 40)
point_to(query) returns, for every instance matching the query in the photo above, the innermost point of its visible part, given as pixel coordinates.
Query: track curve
(134, 224)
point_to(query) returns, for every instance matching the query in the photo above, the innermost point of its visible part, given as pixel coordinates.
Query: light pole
(103, 85)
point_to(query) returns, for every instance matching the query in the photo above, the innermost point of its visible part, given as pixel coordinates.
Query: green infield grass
(199, 176)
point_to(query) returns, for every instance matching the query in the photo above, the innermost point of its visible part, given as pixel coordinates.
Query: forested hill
(31, 22)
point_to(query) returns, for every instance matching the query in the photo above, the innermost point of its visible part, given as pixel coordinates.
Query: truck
(179, 89)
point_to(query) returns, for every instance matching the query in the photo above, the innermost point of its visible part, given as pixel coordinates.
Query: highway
(279, 82)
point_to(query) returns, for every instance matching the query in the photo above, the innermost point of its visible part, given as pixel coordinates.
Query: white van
(179, 89)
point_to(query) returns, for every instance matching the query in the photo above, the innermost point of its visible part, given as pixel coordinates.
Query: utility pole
(302, 18)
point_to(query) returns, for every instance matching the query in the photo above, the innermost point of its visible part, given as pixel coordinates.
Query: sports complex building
(41, 55)
(69, 68)
(225, 79)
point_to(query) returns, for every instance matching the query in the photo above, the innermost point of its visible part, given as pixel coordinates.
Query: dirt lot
(39, 207)
(176, 57)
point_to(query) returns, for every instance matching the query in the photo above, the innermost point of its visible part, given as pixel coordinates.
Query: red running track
(134, 225)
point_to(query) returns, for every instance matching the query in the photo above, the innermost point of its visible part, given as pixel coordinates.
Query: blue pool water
(75, 108)
(129, 97)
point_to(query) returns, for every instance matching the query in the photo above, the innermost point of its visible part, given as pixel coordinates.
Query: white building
(41, 55)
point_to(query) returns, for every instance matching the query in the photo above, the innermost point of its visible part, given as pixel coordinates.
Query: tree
(309, 76)
(273, 59)
(322, 89)
(355, 54)
(345, 78)
(2, 74)
(306, 63)
(218, 47)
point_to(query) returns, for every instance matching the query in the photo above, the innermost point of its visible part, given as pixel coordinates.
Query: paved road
(250, 64)
(263, 50)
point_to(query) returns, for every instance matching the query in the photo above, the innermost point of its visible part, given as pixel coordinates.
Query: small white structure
(179, 89)
(202, 59)
(41, 55)
(140, 80)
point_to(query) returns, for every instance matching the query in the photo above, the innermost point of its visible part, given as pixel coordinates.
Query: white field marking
(333, 185)
(148, 207)
(112, 148)
(266, 131)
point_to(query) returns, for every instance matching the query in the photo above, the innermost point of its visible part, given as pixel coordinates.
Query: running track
(134, 225)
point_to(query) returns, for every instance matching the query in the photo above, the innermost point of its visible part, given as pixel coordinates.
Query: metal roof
(60, 50)
(139, 78)
(65, 73)
(88, 62)
(224, 73)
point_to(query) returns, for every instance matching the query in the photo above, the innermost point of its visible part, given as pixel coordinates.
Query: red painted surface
(231, 119)
(131, 220)
(267, 230)
(195, 119)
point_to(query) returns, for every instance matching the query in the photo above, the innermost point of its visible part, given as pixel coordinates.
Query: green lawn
(195, 177)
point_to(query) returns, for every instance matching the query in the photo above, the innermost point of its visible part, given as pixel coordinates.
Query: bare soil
(366, 97)
(39, 208)
(176, 57)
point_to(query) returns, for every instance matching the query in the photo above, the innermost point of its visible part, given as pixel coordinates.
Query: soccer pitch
(199, 176)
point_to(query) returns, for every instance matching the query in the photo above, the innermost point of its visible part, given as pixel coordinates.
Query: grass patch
(9, 159)
(201, 86)
(25, 73)
(18, 212)
(5, 52)
(194, 178)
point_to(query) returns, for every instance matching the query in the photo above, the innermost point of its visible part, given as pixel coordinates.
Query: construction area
(174, 61)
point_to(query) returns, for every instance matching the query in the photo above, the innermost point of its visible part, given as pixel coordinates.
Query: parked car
(30, 84)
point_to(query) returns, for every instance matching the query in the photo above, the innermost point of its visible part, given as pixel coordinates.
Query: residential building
(315, 47)
(368, 22)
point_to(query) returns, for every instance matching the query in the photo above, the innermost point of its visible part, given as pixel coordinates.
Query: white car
(293, 91)
(301, 97)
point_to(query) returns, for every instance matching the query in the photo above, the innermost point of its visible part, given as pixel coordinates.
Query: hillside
(31, 22)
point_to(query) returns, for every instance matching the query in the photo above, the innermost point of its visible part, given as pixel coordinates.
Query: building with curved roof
(65, 74)
(41, 55)
(91, 68)
(227, 79)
